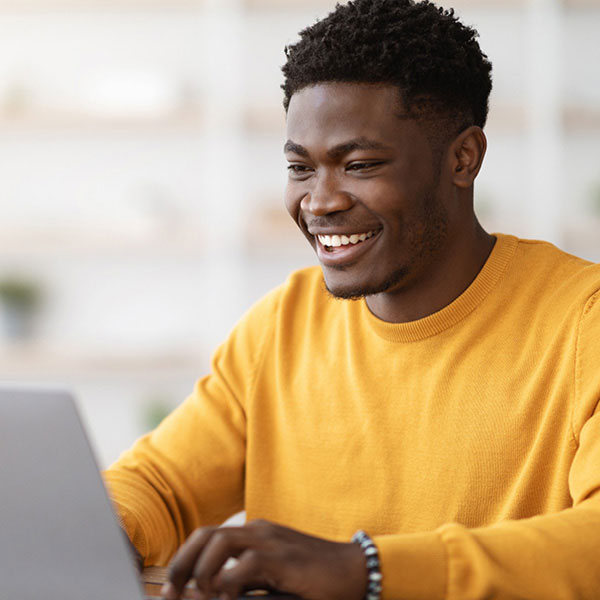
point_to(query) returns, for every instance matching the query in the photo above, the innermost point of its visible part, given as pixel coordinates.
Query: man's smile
(335, 240)
(338, 250)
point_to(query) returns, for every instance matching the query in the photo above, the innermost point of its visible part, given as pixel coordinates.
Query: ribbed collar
(457, 310)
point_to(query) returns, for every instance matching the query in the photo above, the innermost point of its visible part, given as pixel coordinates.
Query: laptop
(59, 537)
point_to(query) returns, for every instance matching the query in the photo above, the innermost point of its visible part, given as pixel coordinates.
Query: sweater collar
(458, 309)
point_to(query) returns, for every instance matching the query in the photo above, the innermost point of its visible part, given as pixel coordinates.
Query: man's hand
(269, 557)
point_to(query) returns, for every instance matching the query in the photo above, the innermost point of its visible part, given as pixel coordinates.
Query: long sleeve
(190, 471)
(546, 557)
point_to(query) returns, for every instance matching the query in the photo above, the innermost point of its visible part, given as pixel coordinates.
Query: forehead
(332, 113)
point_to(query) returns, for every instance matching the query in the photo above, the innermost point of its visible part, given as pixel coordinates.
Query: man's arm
(189, 472)
(546, 557)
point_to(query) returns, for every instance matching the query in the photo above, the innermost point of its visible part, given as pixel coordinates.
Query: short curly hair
(424, 50)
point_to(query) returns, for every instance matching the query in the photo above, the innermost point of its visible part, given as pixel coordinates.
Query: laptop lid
(59, 538)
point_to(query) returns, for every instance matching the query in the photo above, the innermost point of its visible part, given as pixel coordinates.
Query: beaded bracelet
(373, 569)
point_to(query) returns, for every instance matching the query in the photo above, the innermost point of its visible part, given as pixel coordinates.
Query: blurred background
(141, 178)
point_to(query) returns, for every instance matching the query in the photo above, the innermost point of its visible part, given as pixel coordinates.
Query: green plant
(19, 293)
(594, 196)
(154, 410)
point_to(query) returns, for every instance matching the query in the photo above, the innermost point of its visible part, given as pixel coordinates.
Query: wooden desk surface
(154, 577)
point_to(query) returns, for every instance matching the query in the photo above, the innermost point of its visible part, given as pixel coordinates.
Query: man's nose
(326, 196)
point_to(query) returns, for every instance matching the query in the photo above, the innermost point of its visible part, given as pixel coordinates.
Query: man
(450, 411)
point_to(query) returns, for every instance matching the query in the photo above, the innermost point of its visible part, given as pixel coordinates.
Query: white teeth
(334, 241)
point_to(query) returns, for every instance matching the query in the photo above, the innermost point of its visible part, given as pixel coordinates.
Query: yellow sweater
(467, 443)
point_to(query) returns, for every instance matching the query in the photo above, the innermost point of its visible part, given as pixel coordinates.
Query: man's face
(363, 188)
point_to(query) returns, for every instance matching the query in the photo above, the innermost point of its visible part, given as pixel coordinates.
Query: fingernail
(168, 590)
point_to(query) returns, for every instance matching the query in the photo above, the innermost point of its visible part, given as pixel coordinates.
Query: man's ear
(466, 156)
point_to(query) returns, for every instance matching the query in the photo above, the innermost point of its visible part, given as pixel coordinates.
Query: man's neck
(450, 278)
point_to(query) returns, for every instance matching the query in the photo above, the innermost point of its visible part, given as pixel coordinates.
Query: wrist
(371, 565)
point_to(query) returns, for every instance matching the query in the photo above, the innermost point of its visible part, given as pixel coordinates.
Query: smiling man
(430, 384)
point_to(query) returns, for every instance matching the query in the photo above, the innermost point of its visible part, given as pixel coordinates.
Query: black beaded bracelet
(373, 568)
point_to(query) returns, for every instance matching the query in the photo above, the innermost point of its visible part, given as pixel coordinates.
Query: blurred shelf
(49, 243)
(581, 237)
(185, 122)
(270, 120)
(33, 360)
(272, 230)
(264, 119)
(97, 5)
(581, 119)
(282, 5)
(325, 5)
(582, 3)
(288, 5)
(330, 4)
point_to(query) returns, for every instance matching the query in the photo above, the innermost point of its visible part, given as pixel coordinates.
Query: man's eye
(363, 166)
(298, 169)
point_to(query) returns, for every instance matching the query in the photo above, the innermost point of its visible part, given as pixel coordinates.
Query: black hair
(424, 50)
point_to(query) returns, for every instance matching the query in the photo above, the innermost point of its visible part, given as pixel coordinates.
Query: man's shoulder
(554, 272)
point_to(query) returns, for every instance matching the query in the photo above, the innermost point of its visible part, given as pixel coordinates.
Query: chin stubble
(425, 243)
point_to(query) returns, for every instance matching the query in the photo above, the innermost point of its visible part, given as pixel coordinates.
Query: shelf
(26, 360)
(289, 5)
(330, 4)
(582, 3)
(50, 243)
(270, 120)
(97, 5)
(580, 237)
(8, 6)
(264, 119)
(185, 122)
(272, 230)
(581, 119)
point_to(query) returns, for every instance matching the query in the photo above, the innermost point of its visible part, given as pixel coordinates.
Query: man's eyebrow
(340, 150)
(290, 146)
(360, 143)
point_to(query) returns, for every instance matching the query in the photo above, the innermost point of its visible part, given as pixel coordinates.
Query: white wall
(141, 175)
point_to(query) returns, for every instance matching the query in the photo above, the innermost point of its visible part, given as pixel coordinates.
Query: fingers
(223, 544)
(182, 564)
(203, 556)
(248, 573)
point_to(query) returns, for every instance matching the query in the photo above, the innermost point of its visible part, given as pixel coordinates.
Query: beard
(425, 239)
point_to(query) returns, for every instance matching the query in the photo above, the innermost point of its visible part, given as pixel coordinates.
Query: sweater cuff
(413, 566)
(139, 519)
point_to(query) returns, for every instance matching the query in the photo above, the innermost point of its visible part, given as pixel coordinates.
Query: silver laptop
(59, 538)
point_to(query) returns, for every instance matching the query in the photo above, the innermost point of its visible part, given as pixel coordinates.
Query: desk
(154, 577)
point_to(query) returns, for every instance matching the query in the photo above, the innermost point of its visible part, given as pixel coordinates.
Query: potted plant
(19, 299)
